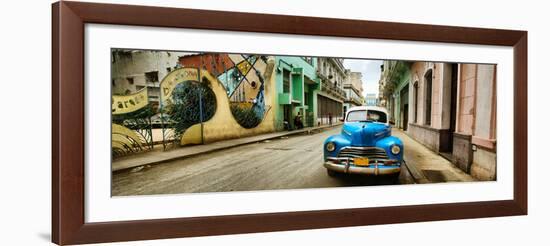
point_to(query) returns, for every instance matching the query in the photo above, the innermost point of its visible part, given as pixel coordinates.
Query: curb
(306, 130)
(416, 175)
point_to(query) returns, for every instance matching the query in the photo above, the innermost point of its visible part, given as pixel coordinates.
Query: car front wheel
(394, 178)
(331, 173)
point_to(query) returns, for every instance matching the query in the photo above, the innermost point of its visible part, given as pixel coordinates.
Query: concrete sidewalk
(157, 155)
(427, 166)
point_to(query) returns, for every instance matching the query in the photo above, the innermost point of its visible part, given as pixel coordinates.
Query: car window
(376, 116)
(357, 115)
(362, 115)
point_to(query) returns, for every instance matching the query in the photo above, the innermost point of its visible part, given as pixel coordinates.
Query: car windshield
(370, 116)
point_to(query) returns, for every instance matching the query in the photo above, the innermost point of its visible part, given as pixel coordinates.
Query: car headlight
(395, 149)
(330, 146)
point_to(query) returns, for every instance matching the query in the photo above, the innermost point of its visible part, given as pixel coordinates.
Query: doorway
(454, 92)
(428, 98)
(404, 107)
(447, 145)
(405, 116)
(287, 115)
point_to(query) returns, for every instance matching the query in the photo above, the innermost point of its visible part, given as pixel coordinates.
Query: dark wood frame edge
(68, 224)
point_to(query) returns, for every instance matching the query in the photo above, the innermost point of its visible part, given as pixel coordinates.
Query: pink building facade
(475, 148)
(453, 112)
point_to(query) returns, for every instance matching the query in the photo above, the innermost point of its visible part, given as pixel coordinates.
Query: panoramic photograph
(197, 122)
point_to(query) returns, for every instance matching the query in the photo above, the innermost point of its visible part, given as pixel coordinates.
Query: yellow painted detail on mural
(246, 105)
(244, 66)
(125, 135)
(129, 103)
(177, 76)
(193, 135)
(117, 145)
(129, 141)
(222, 125)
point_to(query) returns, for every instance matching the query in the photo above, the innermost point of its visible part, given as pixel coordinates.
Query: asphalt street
(294, 162)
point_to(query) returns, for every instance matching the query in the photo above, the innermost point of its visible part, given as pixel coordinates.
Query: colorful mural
(207, 97)
(242, 77)
(192, 102)
(131, 130)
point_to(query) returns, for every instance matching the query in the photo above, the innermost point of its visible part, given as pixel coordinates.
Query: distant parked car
(365, 145)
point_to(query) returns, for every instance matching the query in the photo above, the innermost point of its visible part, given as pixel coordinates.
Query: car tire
(331, 173)
(394, 178)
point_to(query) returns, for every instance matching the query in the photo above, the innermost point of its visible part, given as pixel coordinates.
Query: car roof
(368, 108)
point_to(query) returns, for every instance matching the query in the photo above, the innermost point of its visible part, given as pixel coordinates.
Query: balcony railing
(356, 100)
(328, 86)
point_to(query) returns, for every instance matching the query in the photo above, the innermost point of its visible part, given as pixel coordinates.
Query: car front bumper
(373, 169)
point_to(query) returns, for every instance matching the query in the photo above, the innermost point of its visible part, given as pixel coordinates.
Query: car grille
(372, 153)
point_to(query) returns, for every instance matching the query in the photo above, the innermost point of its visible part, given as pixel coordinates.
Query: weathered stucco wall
(427, 136)
(435, 135)
(477, 121)
(223, 125)
(467, 85)
(128, 70)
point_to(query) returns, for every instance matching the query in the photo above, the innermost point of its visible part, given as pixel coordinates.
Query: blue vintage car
(365, 145)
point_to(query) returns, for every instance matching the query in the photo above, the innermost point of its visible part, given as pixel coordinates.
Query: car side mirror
(341, 119)
(392, 122)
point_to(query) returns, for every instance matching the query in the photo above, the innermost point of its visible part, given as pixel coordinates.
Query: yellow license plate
(364, 161)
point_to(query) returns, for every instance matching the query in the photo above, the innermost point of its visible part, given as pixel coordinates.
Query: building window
(428, 97)
(130, 80)
(113, 82)
(168, 69)
(308, 59)
(286, 81)
(152, 76)
(416, 102)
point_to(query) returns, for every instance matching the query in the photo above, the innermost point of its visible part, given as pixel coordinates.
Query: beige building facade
(353, 87)
(133, 70)
(330, 98)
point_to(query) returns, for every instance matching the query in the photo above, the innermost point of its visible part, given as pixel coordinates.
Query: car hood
(365, 133)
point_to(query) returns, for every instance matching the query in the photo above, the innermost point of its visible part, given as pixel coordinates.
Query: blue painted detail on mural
(230, 79)
(234, 76)
(259, 105)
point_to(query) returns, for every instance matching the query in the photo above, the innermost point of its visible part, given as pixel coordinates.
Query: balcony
(284, 98)
(356, 101)
(328, 86)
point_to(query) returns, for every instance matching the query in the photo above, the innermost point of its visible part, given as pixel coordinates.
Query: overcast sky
(370, 70)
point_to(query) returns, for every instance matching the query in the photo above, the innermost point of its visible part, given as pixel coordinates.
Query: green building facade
(297, 87)
(401, 97)
(397, 75)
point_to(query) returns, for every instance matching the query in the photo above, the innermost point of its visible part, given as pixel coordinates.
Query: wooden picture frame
(68, 223)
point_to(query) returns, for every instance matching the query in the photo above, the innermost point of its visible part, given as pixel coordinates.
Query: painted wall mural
(242, 77)
(192, 102)
(224, 98)
(204, 98)
(131, 130)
